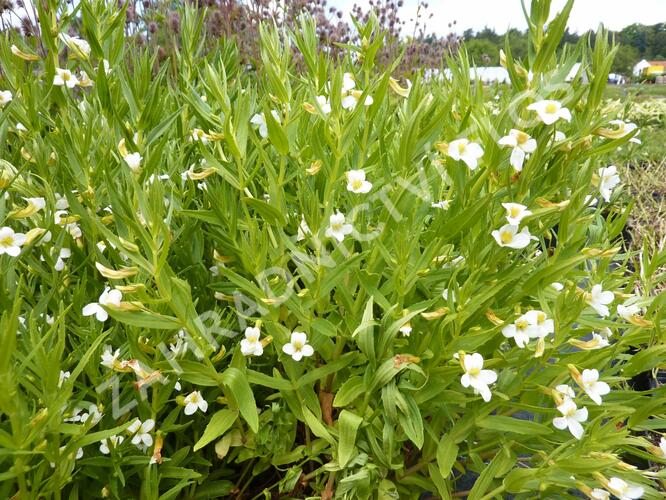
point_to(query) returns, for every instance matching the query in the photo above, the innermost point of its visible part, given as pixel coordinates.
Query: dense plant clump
(317, 280)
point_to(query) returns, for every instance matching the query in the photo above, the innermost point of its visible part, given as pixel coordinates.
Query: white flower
(337, 228)
(259, 120)
(521, 331)
(61, 202)
(65, 77)
(406, 329)
(251, 345)
(19, 126)
(572, 417)
(193, 402)
(298, 346)
(599, 494)
(79, 46)
(608, 179)
(180, 347)
(463, 150)
(522, 145)
(303, 229)
(559, 136)
(356, 182)
(133, 161)
(599, 299)
(63, 377)
(623, 491)
(662, 446)
(508, 236)
(443, 205)
(592, 386)
(515, 212)
(108, 297)
(550, 111)
(628, 311)
(199, 135)
(5, 97)
(623, 128)
(324, 104)
(348, 82)
(476, 377)
(566, 391)
(141, 430)
(37, 203)
(557, 286)
(110, 442)
(110, 358)
(538, 319)
(11, 242)
(350, 101)
(65, 253)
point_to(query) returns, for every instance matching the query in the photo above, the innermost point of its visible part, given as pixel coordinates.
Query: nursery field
(307, 276)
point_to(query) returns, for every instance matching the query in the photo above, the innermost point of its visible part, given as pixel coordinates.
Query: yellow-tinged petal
(125, 272)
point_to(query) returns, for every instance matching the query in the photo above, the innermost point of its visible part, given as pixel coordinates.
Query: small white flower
(108, 297)
(351, 100)
(199, 135)
(337, 228)
(550, 111)
(593, 387)
(628, 311)
(624, 491)
(61, 202)
(20, 127)
(63, 377)
(559, 136)
(133, 161)
(348, 82)
(65, 253)
(259, 120)
(662, 446)
(65, 77)
(406, 329)
(557, 286)
(572, 417)
(298, 346)
(442, 205)
(599, 494)
(180, 347)
(508, 236)
(522, 330)
(194, 401)
(5, 97)
(77, 45)
(522, 145)
(476, 377)
(599, 299)
(11, 242)
(251, 345)
(515, 212)
(141, 433)
(356, 182)
(608, 179)
(324, 104)
(110, 442)
(542, 324)
(109, 357)
(566, 391)
(303, 229)
(466, 151)
(623, 128)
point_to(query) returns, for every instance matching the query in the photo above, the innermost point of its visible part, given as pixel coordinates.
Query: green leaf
(348, 424)
(238, 389)
(447, 452)
(218, 425)
(513, 425)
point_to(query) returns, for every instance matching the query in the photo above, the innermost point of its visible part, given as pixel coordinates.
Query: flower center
(336, 226)
(522, 137)
(541, 317)
(570, 412)
(514, 211)
(298, 345)
(7, 241)
(474, 371)
(521, 324)
(357, 183)
(506, 237)
(462, 147)
(66, 77)
(551, 108)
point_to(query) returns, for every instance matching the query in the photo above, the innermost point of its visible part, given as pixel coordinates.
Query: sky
(503, 14)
